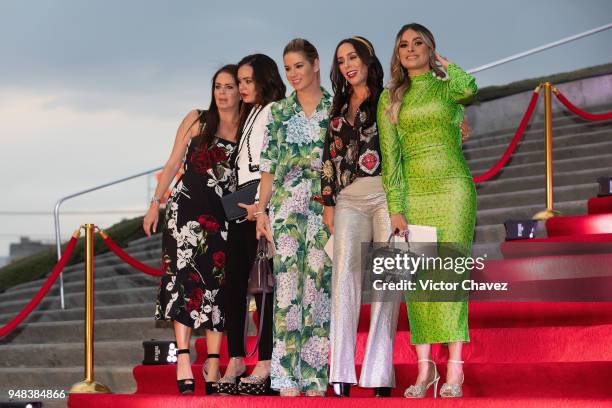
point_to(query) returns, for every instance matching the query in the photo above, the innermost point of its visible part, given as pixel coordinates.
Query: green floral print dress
(292, 152)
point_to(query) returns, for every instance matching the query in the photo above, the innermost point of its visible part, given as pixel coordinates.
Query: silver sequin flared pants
(359, 219)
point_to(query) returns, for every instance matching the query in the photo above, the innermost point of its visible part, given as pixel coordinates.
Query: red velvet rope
(127, 258)
(580, 112)
(517, 137)
(57, 269)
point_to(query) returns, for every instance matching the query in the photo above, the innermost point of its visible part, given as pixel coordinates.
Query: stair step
(579, 225)
(100, 272)
(497, 216)
(537, 196)
(534, 144)
(118, 378)
(533, 133)
(122, 311)
(561, 245)
(517, 314)
(560, 119)
(512, 380)
(559, 165)
(73, 331)
(488, 345)
(108, 283)
(77, 299)
(510, 184)
(600, 205)
(360, 398)
(110, 353)
(533, 157)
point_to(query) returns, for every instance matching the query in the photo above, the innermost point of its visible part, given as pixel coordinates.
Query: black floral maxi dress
(194, 239)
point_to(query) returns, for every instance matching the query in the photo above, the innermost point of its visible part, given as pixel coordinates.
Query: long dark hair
(210, 118)
(342, 89)
(268, 83)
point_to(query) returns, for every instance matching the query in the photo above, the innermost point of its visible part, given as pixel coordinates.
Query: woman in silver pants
(356, 213)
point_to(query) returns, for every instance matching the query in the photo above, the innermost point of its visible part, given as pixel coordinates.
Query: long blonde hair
(400, 80)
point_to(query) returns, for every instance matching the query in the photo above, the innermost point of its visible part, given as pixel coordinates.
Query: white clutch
(421, 234)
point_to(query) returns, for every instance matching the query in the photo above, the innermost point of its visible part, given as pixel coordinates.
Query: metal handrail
(56, 212)
(540, 48)
(471, 71)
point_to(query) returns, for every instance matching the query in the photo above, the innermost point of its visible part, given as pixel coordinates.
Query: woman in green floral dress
(290, 180)
(428, 182)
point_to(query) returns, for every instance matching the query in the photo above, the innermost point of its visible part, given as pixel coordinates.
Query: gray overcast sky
(93, 91)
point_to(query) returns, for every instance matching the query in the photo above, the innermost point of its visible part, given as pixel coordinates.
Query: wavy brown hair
(400, 80)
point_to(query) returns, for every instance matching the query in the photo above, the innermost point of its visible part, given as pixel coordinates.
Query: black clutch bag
(244, 194)
(605, 186)
(520, 229)
(159, 352)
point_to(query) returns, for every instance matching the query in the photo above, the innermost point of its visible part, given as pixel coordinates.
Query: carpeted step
(579, 225)
(198, 401)
(496, 345)
(600, 205)
(482, 380)
(559, 245)
(518, 314)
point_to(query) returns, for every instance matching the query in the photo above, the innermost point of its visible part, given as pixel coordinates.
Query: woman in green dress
(427, 182)
(291, 163)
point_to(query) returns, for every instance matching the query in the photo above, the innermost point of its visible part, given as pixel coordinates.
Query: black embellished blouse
(349, 152)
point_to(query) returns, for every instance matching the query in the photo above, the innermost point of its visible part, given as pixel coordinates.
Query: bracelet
(155, 200)
(256, 213)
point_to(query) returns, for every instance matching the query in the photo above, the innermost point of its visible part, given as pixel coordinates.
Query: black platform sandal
(187, 385)
(211, 386)
(255, 385)
(228, 385)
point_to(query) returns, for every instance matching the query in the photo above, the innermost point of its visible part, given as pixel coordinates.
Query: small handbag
(261, 281)
(392, 251)
(159, 352)
(244, 194)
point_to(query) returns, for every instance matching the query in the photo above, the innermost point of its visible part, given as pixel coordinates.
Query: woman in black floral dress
(195, 235)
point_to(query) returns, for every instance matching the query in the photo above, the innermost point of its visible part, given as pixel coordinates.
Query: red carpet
(176, 401)
(539, 353)
(520, 354)
(530, 354)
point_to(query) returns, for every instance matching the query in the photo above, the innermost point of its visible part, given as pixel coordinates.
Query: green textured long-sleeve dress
(427, 179)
